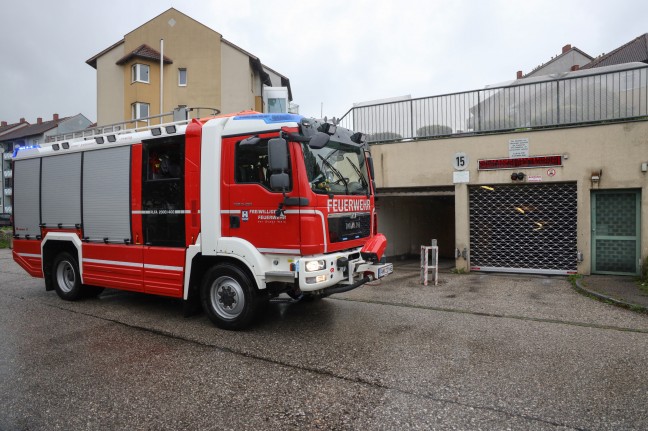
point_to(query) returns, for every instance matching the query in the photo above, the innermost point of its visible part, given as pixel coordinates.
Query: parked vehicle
(224, 211)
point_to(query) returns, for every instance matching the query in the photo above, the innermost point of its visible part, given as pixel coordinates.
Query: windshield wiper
(362, 178)
(336, 172)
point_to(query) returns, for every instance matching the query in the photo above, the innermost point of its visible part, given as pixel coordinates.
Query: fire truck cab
(225, 212)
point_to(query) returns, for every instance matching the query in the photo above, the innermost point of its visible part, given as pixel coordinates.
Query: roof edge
(92, 61)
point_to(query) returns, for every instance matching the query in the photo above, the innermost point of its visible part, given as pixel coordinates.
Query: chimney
(55, 117)
(39, 120)
(4, 123)
(575, 67)
(519, 74)
(566, 48)
(22, 120)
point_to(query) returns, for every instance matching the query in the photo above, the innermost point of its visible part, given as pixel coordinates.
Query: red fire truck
(224, 212)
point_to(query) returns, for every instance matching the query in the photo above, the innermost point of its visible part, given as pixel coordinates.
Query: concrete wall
(616, 149)
(110, 84)
(274, 78)
(237, 80)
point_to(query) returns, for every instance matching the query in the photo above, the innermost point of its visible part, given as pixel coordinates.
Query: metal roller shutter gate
(526, 228)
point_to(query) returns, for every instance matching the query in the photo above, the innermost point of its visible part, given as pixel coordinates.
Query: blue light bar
(271, 118)
(28, 147)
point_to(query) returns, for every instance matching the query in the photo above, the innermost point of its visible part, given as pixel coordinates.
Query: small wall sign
(518, 148)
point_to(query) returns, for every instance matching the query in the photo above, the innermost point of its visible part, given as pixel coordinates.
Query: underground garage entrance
(411, 218)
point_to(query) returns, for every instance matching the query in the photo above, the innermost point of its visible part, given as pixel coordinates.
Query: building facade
(580, 205)
(545, 174)
(171, 61)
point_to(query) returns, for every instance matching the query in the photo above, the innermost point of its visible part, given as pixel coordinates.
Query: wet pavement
(478, 351)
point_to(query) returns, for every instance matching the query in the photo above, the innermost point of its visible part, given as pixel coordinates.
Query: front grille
(349, 227)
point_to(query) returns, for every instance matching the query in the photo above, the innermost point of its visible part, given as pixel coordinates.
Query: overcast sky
(334, 52)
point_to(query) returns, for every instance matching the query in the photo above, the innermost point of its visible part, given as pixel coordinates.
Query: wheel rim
(65, 276)
(227, 298)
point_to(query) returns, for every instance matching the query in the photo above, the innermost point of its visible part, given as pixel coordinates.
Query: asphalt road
(478, 351)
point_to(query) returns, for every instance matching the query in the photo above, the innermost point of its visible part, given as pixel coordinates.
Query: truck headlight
(315, 265)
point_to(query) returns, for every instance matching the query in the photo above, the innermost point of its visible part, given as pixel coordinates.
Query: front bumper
(345, 268)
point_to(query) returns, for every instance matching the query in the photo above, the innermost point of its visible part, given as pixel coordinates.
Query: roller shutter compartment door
(26, 194)
(527, 228)
(61, 190)
(106, 194)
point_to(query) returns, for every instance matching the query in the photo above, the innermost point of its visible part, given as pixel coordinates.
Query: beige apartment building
(173, 60)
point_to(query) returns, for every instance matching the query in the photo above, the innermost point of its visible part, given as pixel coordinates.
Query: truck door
(163, 215)
(252, 213)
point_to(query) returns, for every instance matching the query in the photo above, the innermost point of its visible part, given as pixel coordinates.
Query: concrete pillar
(462, 225)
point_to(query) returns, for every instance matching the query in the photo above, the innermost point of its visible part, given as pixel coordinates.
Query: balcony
(8, 210)
(7, 156)
(8, 173)
(8, 191)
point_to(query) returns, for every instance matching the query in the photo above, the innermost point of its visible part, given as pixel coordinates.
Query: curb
(633, 307)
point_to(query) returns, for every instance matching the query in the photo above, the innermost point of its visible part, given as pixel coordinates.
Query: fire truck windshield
(337, 169)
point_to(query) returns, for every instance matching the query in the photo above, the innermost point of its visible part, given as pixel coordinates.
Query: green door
(616, 230)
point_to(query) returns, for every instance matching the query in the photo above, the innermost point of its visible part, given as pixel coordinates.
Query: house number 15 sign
(460, 161)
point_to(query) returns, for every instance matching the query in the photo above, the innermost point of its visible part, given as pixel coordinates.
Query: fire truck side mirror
(278, 164)
(277, 155)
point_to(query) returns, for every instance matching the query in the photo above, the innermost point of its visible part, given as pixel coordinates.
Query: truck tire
(65, 277)
(228, 296)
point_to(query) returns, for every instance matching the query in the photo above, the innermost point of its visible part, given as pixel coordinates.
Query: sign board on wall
(518, 148)
(459, 177)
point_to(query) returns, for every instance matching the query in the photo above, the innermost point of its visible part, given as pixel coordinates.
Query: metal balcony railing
(615, 93)
(8, 191)
(6, 156)
(8, 173)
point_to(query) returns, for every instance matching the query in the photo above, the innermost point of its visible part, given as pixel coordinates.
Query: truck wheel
(66, 278)
(228, 297)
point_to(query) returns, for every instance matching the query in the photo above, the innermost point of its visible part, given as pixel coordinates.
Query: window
(182, 77)
(140, 73)
(139, 110)
(251, 166)
(277, 105)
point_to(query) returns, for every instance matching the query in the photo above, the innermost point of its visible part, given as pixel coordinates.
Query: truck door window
(163, 218)
(251, 165)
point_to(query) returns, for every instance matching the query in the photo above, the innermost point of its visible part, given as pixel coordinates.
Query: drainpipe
(161, 79)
